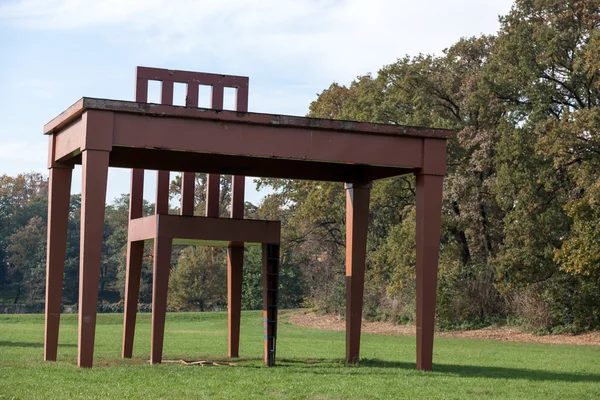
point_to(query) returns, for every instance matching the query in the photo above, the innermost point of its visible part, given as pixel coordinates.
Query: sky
(53, 52)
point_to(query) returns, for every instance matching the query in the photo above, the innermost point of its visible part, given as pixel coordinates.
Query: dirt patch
(511, 334)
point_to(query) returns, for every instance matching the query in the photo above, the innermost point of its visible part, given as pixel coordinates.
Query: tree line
(199, 275)
(521, 234)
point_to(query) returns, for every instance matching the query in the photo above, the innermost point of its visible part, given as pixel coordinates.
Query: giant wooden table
(100, 133)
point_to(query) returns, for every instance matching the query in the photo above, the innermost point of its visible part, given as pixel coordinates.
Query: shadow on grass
(29, 344)
(480, 371)
(337, 366)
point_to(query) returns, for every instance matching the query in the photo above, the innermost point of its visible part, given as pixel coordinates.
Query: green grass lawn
(309, 365)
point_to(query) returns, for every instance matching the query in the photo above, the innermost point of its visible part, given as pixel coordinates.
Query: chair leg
(429, 208)
(160, 286)
(270, 292)
(93, 199)
(135, 253)
(58, 220)
(357, 219)
(235, 268)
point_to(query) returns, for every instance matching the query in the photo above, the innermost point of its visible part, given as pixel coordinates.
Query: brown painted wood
(206, 136)
(204, 228)
(160, 285)
(69, 142)
(248, 118)
(136, 194)
(188, 190)
(235, 268)
(213, 190)
(163, 182)
(191, 98)
(166, 93)
(123, 157)
(357, 222)
(241, 98)
(190, 77)
(238, 187)
(133, 272)
(429, 208)
(141, 90)
(59, 191)
(270, 296)
(93, 199)
(135, 254)
(216, 97)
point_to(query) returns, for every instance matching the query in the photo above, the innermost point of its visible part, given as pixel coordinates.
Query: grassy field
(309, 364)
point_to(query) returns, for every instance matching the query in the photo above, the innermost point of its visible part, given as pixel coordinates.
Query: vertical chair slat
(213, 189)
(188, 187)
(241, 98)
(166, 93)
(216, 98)
(141, 90)
(136, 197)
(162, 186)
(191, 99)
(162, 192)
(237, 196)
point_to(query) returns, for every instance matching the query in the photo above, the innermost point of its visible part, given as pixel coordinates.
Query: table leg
(160, 286)
(235, 268)
(357, 220)
(135, 254)
(59, 196)
(93, 199)
(429, 208)
(270, 294)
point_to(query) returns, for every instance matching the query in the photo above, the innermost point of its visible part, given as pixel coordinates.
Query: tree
(546, 68)
(199, 282)
(21, 198)
(27, 249)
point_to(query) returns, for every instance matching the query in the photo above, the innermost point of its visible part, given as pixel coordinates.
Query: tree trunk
(461, 237)
(18, 294)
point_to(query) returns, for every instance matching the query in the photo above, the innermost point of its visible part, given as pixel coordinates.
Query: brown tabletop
(154, 136)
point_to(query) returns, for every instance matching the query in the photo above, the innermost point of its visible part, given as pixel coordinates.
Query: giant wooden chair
(164, 229)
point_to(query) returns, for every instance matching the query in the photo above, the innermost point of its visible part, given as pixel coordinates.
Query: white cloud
(332, 39)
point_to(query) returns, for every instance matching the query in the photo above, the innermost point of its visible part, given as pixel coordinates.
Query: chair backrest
(193, 80)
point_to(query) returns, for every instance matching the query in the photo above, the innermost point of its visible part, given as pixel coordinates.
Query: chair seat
(204, 230)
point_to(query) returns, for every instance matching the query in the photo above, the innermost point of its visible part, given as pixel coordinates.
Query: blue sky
(53, 52)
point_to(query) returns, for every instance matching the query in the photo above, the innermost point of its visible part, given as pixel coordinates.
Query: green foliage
(291, 283)
(199, 281)
(21, 198)
(27, 249)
